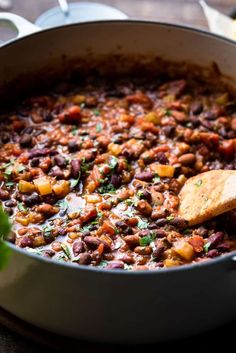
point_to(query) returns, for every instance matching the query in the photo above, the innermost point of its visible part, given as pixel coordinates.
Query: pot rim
(104, 271)
(228, 257)
(129, 21)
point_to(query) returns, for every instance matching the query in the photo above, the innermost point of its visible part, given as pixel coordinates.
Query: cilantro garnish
(21, 207)
(142, 224)
(66, 250)
(170, 218)
(99, 127)
(5, 228)
(147, 240)
(206, 247)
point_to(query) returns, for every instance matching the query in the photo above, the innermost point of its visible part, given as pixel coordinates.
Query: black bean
(10, 203)
(161, 222)
(73, 146)
(57, 172)
(26, 241)
(168, 131)
(48, 117)
(215, 239)
(5, 137)
(161, 158)
(128, 230)
(75, 168)
(25, 140)
(35, 162)
(31, 200)
(209, 115)
(78, 247)
(49, 253)
(223, 247)
(121, 224)
(158, 251)
(60, 161)
(196, 108)
(41, 152)
(213, 253)
(8, 210)
(152, 226)
(115, 180)
(160, 233)
(179, 223)
(85, 259)
(4, 194)
(145, 195)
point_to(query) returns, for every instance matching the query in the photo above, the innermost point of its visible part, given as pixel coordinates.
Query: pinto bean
(187, 159)
(132, 240)
(215, 239)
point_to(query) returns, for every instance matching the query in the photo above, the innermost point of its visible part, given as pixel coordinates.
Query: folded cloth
(218, 22)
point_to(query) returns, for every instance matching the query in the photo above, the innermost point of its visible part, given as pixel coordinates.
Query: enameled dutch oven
(106, 305)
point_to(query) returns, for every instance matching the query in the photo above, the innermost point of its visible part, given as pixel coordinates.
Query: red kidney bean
(78, 247)
(31, 200)
(73, 146)
(85, 259)
(75, 168)
(145, 176)
(158, 252)
(179, 223)
(196, 108)
(42, 152)
(26, 241)
(161, 158)
(60, 161)
(10, 203)
(115, 265)
(213, 253)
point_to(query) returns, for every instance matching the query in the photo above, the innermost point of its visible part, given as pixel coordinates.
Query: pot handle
(22, 25)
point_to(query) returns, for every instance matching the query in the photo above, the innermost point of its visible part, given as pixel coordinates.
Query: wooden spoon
(207, 195)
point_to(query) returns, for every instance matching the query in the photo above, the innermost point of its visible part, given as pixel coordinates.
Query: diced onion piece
(164, 170)
(184, 250)
(43, 186)
(26, 187)
(93, 198)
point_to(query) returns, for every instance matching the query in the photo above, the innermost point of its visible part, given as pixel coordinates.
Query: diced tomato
(197, 243)
(210, 138)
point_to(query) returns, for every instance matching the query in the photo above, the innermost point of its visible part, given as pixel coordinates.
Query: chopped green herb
(103, 264)
(82, 105)
(73, 183)
(206, 247)
(99, 127)
(156, 179)
(66, 250)
(142, 224)
(96, 112)
(21, 207)
(113, 162)
(128, 267)
(147, 240)
(47, 231)
(9, 184)
(107, 189)
(198, 183)
(170, 218)
(74, 130)
(168, 112)
(5, 226)
(20, 168)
